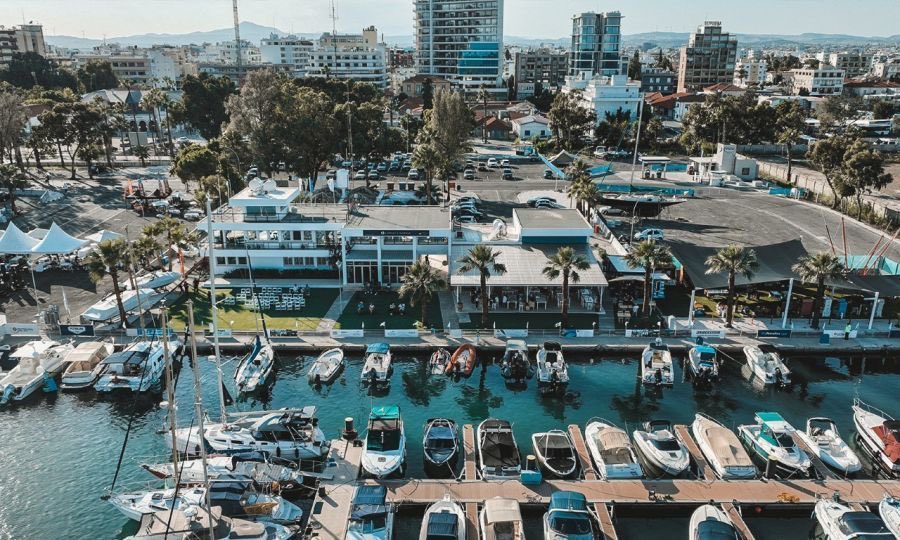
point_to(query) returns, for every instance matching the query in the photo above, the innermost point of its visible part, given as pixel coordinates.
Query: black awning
(775, 262)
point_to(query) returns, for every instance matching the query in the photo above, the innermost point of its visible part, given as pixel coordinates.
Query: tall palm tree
(648, 255)
(152, 101)
(567, 263)
(144, 250)
(174, 232)
(106, 260)
(579, 177)
(817, 268)
(142, 153)
(166, 102)
(732, 260)
(484, 96)
(788, 137)
(419, 284)
(483, 259)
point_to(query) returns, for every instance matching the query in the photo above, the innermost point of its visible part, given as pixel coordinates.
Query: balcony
(273, 245)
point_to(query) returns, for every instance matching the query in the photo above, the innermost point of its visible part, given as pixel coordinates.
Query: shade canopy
(58, 241)
(102, 236)
(15, 242)
(524, 264)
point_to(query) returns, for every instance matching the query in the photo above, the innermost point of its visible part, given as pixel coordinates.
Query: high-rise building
(596, 44)
(543, 65)
(359, 57)
(21, 39)
(708, 59)
(461, 41)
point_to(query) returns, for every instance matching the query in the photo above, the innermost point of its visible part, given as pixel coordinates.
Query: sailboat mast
(215, 311)
(637, 140)
(170, 391)
(199, 414)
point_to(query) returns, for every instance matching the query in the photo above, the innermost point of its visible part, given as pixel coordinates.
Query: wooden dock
(822, 469)
(469, 470)
(472, 521)
(587, 468)
(704, 469)
(738, 520)
(605, 520)
(331, 508)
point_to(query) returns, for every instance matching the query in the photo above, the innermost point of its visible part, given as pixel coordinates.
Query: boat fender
(277, 451)
(49, 383)
(8, 392)
(318, 380)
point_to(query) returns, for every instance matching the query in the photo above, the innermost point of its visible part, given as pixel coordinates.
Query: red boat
(462, 361)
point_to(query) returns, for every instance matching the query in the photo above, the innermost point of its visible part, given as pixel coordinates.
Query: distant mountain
(250, 31)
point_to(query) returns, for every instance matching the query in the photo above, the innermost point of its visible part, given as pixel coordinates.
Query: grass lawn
(350, 319)
(536, 321)
(237, 318)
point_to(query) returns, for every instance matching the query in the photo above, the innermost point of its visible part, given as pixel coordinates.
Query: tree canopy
(203, 103)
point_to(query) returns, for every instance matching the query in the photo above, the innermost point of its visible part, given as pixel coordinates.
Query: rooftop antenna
(237, 40)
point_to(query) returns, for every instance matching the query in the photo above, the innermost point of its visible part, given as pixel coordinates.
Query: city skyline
(524, 18)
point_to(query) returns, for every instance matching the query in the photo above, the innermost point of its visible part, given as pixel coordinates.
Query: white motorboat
(107, 308)
(661, 449)
(287, 433)
(255, 369)
(613, 455)
(709, 522)
(879, 434)
(223, 470)
(83, 365)
(326, 367)
(384, 450)
(440, 442)
(771, 438)
(371, 516)
(378, 367)
(702, 364)
(38, 361)
(656, 365)
(444, 520)
(501, 519)
(136, 504)
(840, 522)
(194, 522)
(498, 454)
(767, 365)
(552, 372)
(568, 518)
(515, 366)
(437, 364)
(555, 453)
(136, 369)
(824, 440)
(889, 510)
(722, 449)
(154, 280)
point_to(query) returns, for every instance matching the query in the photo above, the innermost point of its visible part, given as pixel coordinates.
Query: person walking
(847, 330)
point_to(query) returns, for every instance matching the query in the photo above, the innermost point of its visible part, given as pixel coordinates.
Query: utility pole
(237, 40)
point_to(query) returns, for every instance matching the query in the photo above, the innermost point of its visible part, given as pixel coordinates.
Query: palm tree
(732, 260)
(483, 96)
(144, 250)
(579, 178)
(483, 259)
(567, 263)
(419, 284)
(175, 233)
(12, 179)
(152, 101)
(648, 255)
(788, 137)
(142, 153)
(166, 102)
(818, 268)
(105, 260)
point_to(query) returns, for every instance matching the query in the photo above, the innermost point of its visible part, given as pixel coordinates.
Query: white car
(193, 215)
(360, 175)
(649, 234)
(466, 219)
(504, 163)
(492, 163)
(413, 174)
(536, 200)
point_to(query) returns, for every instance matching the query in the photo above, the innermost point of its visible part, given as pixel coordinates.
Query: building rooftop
(524, 265)
(413, 218)
(271, 195)
(534, 118)
(551, 218)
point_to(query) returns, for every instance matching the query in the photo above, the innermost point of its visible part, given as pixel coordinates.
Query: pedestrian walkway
(448, 310)
(329, 320)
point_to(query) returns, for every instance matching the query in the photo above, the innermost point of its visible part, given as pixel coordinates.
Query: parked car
(373, 175)
(548, 204)
(462, 211)
(548, 173)
(382, 167)
(507, 174)
(465, 219)
(468, 198)
(533, 201)
(413, 174)
(504, 163)
(193, 215)
(360, 175)
(649, 234)
(482, 166)
(600, 152)
(611, 211)
(492, 163)
(394, 166)
(469, 175)
(406, 167)
(468, 205)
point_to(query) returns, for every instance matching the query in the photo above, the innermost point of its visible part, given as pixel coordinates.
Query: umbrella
(103, 235)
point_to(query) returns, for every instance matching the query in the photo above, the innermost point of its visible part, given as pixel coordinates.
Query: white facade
(887, 69)
(529, 127)
(170, 63)
(852, 63)
(359, 57)
(749, 72)
(607, 94)
(225, 53)
(287, 53)
(824, 81)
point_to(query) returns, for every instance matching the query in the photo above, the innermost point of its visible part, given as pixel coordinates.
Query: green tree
(106, 260)
(570, 121)
(483, 259)
(634, 66)
(173, 231)
(445, 135)
(255, 112)
(790, 120)
(152, 101)
(419, 285)
(203, 103)
(310, 129)
(84, 124)
(663, 61)
(12, 120)
(483, 97)
(96, 75)
(142, 153)
(817, 268)
(827, 156)
(611, 130)
(54, 129)
(427, 94)
(836, 113)
(12, 179)
(144, 251)
(89, 154)
(579, 189)
(193, 163)
(863, 171)
(29, 70)
(211, 187)
(732, 260)
(567, 263)
(648, 255)
(882, 109)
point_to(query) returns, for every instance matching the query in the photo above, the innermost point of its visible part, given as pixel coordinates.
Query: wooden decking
(605, 520)
(331, 508)
(822, 469)
(587, 468)
(704, 469)
(469, 470)
(738, 520)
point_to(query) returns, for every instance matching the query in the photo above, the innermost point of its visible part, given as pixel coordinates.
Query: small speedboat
(613, 455)
(39, 361)
(378, 367)
(194, 522)
(889, 510)
(443, 520)
(656, 365)
(326, 367)
(555, 453)
(879, 434)
(702, 364)
(767, 365)
(824, 440)
(440, 443)
(661, 449)
(498, 454)
(384, 450)
(840, 522)
(501, 519)
(709, 522)
(463, 361)
(256, 367)
(722, 449)
(771, 438)
(371, 516)
(552, 372)
(83, 365)
(437, 364)
(516, 367)
(568, 517)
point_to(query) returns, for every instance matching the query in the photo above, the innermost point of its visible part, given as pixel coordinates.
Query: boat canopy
(442, 525)
(378, 348)
(553, 440)
(862, 523)
(713, 529)
(385, 412)
(494, 424)
(441, 432)
(516, 345)
(499, 510)
(86, 351)
(133, 357)
(369, 501)
(33, 349)
(704, 350)
(568, 500)
(552, 346)
(773, 420)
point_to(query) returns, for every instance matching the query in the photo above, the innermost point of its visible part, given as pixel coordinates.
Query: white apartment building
(225, 53)
(607, 94)
(461, 41)
(21, 39)
(749, 72)
(290, 54)
(128, 64)
(823, 81)
(170, 63)
(852, 63)
(887, 69)
(358, 57)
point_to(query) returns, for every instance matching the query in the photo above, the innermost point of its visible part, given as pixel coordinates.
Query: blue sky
(531, 18)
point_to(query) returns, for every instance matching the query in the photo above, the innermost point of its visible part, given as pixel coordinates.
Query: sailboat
(255, 369)
(196, 522)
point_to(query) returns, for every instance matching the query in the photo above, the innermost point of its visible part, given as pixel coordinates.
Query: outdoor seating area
(384, 308)
(267, 298)
(530, 299)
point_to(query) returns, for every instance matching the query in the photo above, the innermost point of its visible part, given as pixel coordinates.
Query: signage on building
(401, 333)
(76, 329)
(777, 333)
(21, 329)
(584, 333)
(708, 333)
(395, 232)
(348, 333)
(839, 333)
(149, 332)
(637, 332)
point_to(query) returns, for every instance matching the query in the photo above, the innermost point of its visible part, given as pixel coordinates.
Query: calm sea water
(59, 452)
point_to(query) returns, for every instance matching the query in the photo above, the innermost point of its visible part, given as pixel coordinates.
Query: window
(232, 260)
(220, 260)
(745, 171)
(527, 132)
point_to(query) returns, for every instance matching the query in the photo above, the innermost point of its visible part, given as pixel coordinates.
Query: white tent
(38, 233)
(103, 235)
(58, 241)
(14, 241)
